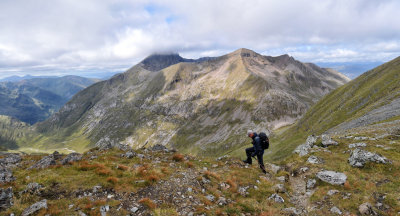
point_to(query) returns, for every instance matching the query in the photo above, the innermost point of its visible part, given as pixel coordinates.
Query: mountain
(19, 78)
(11, 130)
(34, 100)
(369, 104)
(197, 106)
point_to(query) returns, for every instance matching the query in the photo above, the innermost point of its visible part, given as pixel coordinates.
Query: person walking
(256, 150)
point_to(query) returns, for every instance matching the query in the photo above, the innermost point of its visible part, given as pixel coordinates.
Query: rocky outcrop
(159, 147)
(10, 160)
(35, 208)
(359, 157)
(129, 154)
(311, 183)
(354, 145)
(276, 198)
(315, 160)
(304, 148)
(332, 177)
(32, 188)
(46, 161)
(327, 141)
(6, 175)
(71, 158)
(366, 209)
(6, 198)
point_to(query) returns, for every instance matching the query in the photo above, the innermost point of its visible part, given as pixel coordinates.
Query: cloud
(109, 34)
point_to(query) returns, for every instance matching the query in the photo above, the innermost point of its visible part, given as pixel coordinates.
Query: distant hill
(371, 98)
(11, 129)
(200, 106)
(33, 100)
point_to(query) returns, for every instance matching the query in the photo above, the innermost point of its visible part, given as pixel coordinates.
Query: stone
(96, 188)
(304, 169)
(315, 160)
(311, 183)
(366, 209)
(6, 198)
(159, 147)
(281, 178)
(275, 197)
(222, 201)
(32, 188)
(10, 160)
(361, 138)
(210, 197)
(304, 148)
(327, 141)
(332, 192)
(280, 188)
(129, 154)
(274, 168)
(122, 147)
(332, 177)
(292, 211)
(134, 209)
(359, 157)
(71, 158)
(6, 175)
(104, 210)
(35, 208)
(243, 190)
(44, 162)
(336, 210)
(354, 145)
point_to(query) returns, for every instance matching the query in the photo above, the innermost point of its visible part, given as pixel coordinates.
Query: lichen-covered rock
(311, 184)
(304, 148)
(354, 145)
(71, 158)
(10, 160)
(6, 175)
(35, 208)
(6, 198)
(44, 162)
(327, 141)
(332, 177)
(274, 168)
(366, 209)
(159, 147)
(276, 198)
(336, 210)
(32, 188)
(279, 188)
(315, 160)
(359, 157)
(129, 154)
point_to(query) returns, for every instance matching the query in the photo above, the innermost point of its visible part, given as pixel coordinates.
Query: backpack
(264, 140)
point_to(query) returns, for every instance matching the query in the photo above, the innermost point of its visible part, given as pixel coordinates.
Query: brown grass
(143, 170)
(233, 184)
(103, 171)
(152, 178)
(209, 174)
(178, 157)
(347, 185)
(122, 167)
(112, 180)
(189, 164)
(148, 203)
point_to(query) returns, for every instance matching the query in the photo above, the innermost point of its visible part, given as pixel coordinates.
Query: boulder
(10, 160)
(304, 148)
(276, 198)
(6, 198)
(315, 160)
(44, 162)
(35, 208)
(336, 210)
(6, 175)
(359, 157)
(332, 177)
(129, 154)
(366, 209)
(332, 192)
(159, 147)
(274, 168)
(123, 147)
(71, 158)
(327, 141)
(311, 183)
(354, 145)
(32, 188)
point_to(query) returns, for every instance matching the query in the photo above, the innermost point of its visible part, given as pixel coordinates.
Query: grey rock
(159, 147)
(304, 148)
(6, 198)
(359, 157)
(10, 160)
(222, 157)
(80, 213)
(361, 138)
(293, 211)
(32, 188)
(315, 160)
(336, 210)
(129, 154)
(122, 147)
(332, 192)
(243, 190)
(96, 188)
(210, 197)
(35, 208)
(276, 198)
(327, 141)
(280, 188)
(134, 209)
(366, 209)
(354, 145)
(45, 162)
(311, 183)
(274, 168)
(304, 169)
(222, 201)
(281, 178)
(71, 158)
(6, 175)
(104, 210)
(332, 177)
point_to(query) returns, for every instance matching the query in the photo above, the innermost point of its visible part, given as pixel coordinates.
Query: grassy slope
(365, 93)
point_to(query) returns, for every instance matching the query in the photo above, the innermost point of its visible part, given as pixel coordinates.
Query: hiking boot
(247, 161)
(263, 169)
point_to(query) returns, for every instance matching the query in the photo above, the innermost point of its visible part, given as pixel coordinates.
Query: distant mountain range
(200, 106)
(35, 99)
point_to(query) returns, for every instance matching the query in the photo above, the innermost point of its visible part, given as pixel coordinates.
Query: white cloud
(113, 33)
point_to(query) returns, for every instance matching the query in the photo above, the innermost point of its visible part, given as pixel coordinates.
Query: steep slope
(372, 98)
(10, 131)
(198, 106)
(34, 100)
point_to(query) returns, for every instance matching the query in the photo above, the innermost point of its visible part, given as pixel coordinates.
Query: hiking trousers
(250, 151)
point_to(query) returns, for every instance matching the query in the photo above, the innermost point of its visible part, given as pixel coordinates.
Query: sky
(91, 37)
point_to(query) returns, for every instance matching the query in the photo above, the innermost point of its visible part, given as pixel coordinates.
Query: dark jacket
(257, 144)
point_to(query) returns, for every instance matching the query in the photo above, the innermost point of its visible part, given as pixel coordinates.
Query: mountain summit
(201, 106)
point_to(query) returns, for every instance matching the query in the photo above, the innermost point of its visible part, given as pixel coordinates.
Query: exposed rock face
(35, 208)
(327, 141)
(276, 198)
(354, 145)
(129, 154)
(359, 157)
(6, 175)
(6, 198)
(304, 148)
(332, 177)
(71, 158)
(315, 160)
(46, 161)
(10, 160)
(159, 147)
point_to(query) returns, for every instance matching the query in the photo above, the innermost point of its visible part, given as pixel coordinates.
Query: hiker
(256, 150)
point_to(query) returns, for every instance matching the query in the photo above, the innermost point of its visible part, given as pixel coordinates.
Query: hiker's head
(250, 133)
